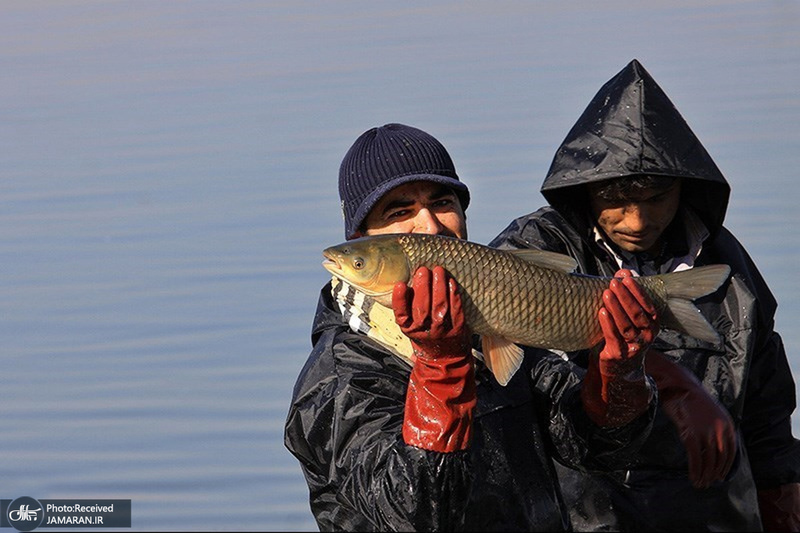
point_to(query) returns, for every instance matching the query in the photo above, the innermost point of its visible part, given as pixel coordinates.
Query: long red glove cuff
(780, 507)
(614, 400)
(671, 378)
(439, 403)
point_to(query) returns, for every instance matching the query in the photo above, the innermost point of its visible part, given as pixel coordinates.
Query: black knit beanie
(383, 158)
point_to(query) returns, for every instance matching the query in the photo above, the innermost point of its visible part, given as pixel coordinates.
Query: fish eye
(358, 263)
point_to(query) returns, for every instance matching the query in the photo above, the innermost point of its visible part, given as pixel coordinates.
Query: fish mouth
(331, 264)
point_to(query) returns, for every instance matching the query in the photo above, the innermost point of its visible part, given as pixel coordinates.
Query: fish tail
(682, 288)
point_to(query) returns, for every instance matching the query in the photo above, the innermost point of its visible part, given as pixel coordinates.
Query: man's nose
(636, 217)
(427, 222)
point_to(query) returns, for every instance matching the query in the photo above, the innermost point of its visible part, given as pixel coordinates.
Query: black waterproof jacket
(630, 128)
(345, 421)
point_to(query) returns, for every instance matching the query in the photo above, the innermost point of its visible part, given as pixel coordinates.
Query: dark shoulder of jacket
(327, 315)
(319, 366)
(339, 353)
(544, 229)
(725, 248)
(547, 229)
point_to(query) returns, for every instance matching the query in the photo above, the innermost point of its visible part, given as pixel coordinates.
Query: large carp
(527, 297)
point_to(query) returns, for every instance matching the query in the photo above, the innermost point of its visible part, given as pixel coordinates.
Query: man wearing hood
(632, 187)
(399, 427)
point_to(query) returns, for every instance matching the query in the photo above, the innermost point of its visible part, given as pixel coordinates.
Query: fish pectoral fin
(502, 357)
(551, 260)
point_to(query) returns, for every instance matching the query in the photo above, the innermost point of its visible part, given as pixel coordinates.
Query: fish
(514, 298)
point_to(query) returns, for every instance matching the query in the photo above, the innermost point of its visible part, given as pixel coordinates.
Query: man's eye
(398, 214)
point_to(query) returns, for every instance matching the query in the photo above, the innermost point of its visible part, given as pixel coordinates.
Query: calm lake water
(169, 180)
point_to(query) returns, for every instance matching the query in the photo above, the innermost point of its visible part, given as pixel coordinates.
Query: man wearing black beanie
(398, 424)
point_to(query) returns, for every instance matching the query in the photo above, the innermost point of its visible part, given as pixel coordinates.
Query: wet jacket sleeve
(345, 427)
(774, 453)
(577, 441)
(766, 418)
(770, 393)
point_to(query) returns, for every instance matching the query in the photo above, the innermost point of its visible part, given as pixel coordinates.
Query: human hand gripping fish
(430, 313)
(704, 426)
(441, 390)
(615, 389)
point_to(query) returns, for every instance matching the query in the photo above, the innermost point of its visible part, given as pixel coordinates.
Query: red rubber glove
(615, 390)
(780, 507)
(441, 391)
(704, 426)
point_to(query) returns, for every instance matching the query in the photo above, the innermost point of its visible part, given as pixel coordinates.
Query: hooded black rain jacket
(632, 128)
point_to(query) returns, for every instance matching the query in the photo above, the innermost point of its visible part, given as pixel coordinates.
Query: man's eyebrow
(442, 191)
(439, 193)
(396, 204)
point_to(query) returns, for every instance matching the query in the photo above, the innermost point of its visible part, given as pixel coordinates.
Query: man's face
(418, 207)
(636, 224)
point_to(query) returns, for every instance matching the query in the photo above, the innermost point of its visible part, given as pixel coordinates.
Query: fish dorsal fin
(502, 357)
(551, 260)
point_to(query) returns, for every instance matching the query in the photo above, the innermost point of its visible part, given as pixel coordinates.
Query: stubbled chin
(633, 247)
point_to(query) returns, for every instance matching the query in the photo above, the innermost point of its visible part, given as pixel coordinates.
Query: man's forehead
(633, 188)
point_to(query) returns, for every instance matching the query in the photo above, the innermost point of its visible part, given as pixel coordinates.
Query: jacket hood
(631, 127)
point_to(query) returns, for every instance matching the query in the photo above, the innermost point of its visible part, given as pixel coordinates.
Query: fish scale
(507, 296)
